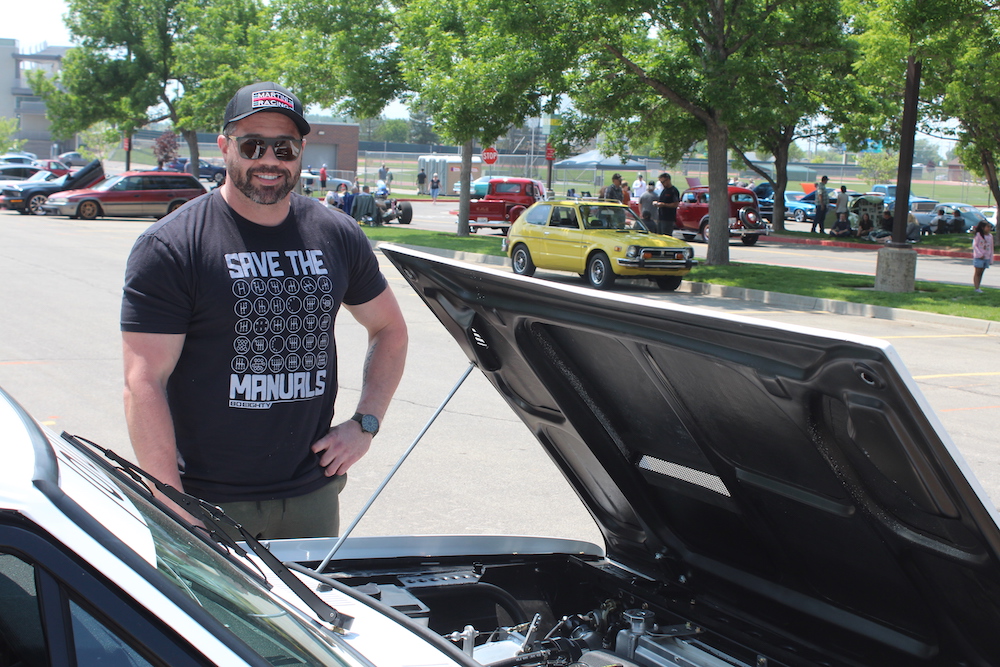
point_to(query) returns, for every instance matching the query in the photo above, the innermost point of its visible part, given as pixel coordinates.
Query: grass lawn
(929, 297)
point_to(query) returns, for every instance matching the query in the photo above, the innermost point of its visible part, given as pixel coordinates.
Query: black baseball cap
(265, 96)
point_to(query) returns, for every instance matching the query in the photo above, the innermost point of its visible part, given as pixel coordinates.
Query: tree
(165, 148)
(393, 129)
(99, 141)
(142, 61)
(466, 72)
(973, 97)
(796, 76)
(8, 128)
(878, 167)
(421, 126)
(678, 71)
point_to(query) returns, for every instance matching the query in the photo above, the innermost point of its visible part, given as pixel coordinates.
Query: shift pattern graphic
(284, 315)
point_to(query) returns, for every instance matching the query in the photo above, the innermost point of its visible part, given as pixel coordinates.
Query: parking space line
(953, 375)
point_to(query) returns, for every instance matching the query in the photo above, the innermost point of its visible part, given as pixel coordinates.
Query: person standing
(982, 253)
(227, 322)
(383, 171)
(666, 204)
(422, 182)
(822, 203)
(626, 194)
(646, 208)
(322, 177)
(435, 188)
(638, 185)
(843, 203)
(614, 191)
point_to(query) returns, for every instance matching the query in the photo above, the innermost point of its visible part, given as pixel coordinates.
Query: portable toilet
(448, 167)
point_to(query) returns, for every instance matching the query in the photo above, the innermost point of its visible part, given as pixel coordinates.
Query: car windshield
(41, 176)
(233, 597)
(610, 217)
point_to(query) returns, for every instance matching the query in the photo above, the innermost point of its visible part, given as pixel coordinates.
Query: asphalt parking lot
(477, 470)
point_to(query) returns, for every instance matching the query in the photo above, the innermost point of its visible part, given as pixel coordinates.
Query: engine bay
(549, 611)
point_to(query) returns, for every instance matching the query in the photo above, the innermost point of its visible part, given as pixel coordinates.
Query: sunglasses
(253, 148)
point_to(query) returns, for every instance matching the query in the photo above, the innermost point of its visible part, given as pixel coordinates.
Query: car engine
(560, 611)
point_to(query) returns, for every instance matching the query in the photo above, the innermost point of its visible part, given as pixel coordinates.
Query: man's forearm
(151, 431)
(383, 368)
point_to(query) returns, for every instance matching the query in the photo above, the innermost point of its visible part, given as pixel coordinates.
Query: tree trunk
(718, 191)
(907, 141)
(463, 193)
(780, 185)
(194, 159)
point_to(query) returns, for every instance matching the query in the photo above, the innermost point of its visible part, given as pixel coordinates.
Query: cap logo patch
(261, 99)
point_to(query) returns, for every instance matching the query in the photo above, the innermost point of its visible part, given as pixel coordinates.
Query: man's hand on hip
(342, 447)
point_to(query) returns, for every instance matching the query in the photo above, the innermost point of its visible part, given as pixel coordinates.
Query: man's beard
(243, 180)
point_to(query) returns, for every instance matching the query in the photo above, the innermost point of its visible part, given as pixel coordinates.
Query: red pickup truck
(506, 198)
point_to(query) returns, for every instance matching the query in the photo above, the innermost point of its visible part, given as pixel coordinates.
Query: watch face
(369, 424)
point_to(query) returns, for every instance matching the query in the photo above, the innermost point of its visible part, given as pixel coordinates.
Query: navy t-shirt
(255, 383)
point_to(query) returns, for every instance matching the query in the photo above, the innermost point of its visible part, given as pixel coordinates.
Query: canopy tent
(596, 160)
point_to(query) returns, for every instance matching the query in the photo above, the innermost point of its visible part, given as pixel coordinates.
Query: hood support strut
(378, 491)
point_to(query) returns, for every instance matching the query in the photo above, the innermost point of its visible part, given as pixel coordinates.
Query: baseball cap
(265, 96)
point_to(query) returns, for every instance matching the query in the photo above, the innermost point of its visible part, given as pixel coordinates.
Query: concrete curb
(776, 299)
(940, 252)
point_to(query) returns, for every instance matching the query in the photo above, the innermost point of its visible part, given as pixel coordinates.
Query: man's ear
(223, 143)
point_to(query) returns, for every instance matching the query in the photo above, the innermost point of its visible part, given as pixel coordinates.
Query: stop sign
(490, 155)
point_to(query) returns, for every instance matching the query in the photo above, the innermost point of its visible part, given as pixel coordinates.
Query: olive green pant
(315, 514)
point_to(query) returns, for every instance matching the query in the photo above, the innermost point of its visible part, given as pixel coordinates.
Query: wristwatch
(369, 423)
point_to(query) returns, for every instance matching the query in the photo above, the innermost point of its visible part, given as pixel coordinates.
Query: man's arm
(346, 443)
(149, 361)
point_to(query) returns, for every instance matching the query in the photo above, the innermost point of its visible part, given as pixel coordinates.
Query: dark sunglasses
(253, 148)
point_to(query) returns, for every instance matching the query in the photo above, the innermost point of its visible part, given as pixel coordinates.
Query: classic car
(843, 528)
(134, 193)
(917, 203)
(55, 166)
(477, 190)
(27, 197)
(599, 239)
(505, 200)
(795, 209)
(745, 220)
(971, 216)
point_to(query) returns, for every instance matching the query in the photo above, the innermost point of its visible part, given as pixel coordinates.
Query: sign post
(550, 155)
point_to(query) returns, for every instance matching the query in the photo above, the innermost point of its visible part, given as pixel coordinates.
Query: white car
(768, 495)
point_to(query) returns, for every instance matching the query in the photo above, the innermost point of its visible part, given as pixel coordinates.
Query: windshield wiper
(208, 512)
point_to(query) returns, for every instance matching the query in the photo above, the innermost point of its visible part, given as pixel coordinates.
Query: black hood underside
(790, 474)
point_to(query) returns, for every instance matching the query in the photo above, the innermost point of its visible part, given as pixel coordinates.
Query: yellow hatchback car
(600, 240)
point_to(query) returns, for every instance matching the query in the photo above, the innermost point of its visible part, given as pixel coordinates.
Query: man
(383, 171)
(349, 199)
(646, 208)
(939, 225)
(322, 177)
(614, 191)
(957, 222)
(639, 185)
(364, 205)
(822, 203)
(666, 204)
(421, 182)
(227, 318)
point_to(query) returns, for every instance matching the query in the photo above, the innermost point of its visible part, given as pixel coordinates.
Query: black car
(206, 170)
(28, 198)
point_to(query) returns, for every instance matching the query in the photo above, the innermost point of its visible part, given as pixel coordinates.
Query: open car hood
(778, 471)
